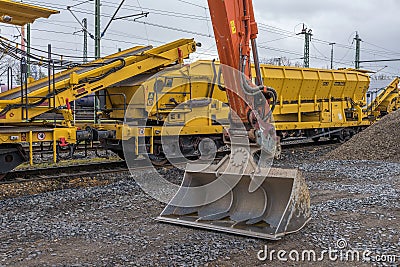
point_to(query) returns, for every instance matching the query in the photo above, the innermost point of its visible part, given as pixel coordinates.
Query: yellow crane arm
(22, 104)
(389, 92)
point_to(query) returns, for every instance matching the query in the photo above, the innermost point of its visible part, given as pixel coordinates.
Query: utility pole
(97, 36)
(98, 100)
(307, 35)
(85, 59)
(85, 41)
(28, 48)
(358, 50)
(332, 44)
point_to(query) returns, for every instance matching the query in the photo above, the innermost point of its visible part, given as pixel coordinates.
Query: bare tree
(280, 61)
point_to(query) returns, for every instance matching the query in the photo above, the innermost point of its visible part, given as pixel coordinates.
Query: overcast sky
(330, 21)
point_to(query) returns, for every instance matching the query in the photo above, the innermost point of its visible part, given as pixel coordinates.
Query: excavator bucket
(237, 196)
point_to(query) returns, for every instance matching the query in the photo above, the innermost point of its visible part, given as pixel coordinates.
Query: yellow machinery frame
(76, 83)
(18, 113)
(32, 135)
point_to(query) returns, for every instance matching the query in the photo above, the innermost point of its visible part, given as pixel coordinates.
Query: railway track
(306, 143)
(74, 171)
(108, 167)
(63, 172)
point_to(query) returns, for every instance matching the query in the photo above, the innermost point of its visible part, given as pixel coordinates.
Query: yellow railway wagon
(328, 97)
(189, 102)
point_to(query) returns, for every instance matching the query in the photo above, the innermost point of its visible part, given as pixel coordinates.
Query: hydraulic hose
(214, 79)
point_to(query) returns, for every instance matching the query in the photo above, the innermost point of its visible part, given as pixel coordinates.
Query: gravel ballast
(378, 142)
(114, 224)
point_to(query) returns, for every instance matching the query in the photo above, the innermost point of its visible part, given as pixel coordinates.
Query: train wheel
(341, 139)
(344, 136)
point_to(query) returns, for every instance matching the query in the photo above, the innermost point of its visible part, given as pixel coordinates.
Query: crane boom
(71, 84)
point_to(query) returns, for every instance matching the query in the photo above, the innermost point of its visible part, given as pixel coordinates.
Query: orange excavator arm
(236, 32)
(242, 193)
(234, 28)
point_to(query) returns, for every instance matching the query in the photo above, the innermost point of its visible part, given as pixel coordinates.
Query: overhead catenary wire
(171, 13)
(267, 28)
(145, 26)
(271, 28)
(190, 3)
(263, 27)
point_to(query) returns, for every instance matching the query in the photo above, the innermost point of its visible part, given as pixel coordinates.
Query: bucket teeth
(217, 210)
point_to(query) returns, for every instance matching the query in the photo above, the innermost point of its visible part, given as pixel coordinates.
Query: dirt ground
(355, 207)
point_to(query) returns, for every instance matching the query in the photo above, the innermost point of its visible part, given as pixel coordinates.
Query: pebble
(113, 225)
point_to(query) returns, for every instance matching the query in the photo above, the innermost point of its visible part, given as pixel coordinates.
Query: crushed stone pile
(381, 141)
